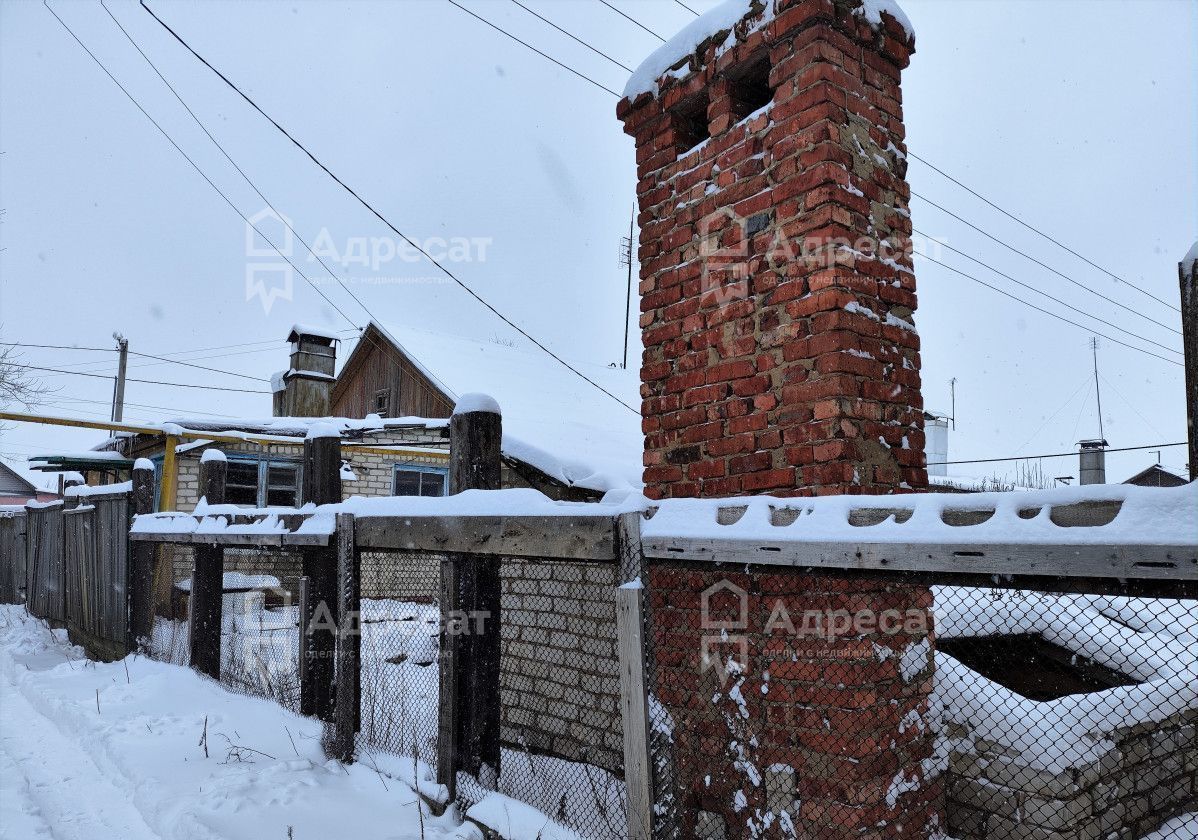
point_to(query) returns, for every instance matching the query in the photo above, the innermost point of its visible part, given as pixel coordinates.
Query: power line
(1036, 230)
(995, 288)
(565, 67)
(595, 50)
(143, 381)
(194, 165)
(1025, 255)
(240, 171)
(384, 220)
(244, 176)
(1032, 228)
(135, 353)
(1047, 312)
(1045, 294)
(1053, 455)
(631, 18)
(61, 399)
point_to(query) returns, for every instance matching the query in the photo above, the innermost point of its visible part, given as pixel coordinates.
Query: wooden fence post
(469, 708)
(346, 715)
(634, 690)
(1188, 276)
(208, 577)
(141, 563)
(318, 642)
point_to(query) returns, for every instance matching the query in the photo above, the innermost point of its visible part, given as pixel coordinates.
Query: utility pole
(118, 397)
(1187, 271)
(1097, 390)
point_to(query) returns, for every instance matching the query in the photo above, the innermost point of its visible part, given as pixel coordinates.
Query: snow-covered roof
(552, 418)
(314, 332)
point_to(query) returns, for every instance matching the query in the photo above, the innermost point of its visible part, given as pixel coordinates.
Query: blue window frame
(418, 480)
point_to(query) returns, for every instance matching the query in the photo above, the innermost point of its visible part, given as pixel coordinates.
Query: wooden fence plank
(634, 690)
(545, 537)
(1079, 560)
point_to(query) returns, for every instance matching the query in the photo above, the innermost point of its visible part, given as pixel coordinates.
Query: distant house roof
(553, 419)
(12, 484)
(1156, 476)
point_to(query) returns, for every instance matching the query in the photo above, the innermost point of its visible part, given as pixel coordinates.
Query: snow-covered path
(92, 750)
(43, 765)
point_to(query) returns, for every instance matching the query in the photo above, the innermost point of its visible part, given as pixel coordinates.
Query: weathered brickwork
(808, 736)
(776, 284)
(777, 301)
(1149, 776)
(559, 677)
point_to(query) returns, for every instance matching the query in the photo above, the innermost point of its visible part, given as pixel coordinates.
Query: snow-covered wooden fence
(68, 561)
(1115, 544)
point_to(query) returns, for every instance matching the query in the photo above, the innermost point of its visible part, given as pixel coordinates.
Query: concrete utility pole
(1187, 271)
(118, 397)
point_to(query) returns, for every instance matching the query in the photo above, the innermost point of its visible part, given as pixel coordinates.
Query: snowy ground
(115, 750)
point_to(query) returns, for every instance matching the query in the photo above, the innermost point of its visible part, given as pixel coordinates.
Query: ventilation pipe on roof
(308, 381)
(1092, 457)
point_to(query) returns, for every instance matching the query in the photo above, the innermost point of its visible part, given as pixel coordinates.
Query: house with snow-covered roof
(560, 430)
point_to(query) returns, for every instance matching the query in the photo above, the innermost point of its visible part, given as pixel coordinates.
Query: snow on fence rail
(1113, 532)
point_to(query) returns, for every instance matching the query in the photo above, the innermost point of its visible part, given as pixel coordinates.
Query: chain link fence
(401, 635)
(560, 728)
(792, 706)
(1066, 716)
(259, 619)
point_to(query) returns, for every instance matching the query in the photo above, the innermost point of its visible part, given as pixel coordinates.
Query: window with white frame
(262, 482)
(413, 480)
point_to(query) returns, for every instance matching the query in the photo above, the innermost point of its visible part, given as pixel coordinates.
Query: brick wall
(808, 735)
(559, 667)
(777, 301)
(776, 284)
(1149, 775)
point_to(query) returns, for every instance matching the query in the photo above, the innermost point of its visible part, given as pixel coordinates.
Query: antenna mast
(626, 261)
(1097, 390)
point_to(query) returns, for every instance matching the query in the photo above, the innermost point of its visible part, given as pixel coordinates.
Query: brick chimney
(781, 357)
(307, 384)
(776, 278)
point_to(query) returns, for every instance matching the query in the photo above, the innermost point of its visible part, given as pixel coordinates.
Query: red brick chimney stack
(776, 279)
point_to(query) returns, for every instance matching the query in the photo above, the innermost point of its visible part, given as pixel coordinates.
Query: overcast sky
(1078, 117)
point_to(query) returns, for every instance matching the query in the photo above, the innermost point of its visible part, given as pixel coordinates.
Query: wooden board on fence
(264, 541)
(634, 691)
(95, 569)
(44, 587)
(560, 537)
(13, 556)
(1091, 561)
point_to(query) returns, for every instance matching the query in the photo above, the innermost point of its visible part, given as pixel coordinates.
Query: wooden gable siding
(381, 367)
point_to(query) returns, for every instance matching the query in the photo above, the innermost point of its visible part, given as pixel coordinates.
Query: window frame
(264, 465)
(422, 470)
(382, 395)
